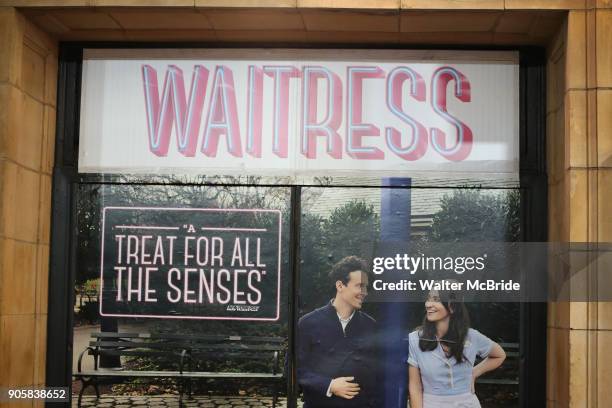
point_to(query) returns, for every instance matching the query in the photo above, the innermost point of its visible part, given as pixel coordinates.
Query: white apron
(468, 400)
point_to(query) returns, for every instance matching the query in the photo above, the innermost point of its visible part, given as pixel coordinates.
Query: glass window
(175, 265)
(337, 223)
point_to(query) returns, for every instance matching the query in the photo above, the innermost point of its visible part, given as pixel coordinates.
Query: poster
(299, 112)
(191, 263)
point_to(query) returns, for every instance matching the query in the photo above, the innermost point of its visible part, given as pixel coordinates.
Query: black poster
(191, 263)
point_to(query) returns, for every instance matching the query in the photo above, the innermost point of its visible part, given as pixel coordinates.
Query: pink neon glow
(174, 108)
(233, 229)
(356, 130)
(237, 210)
(145, 227)
(254, 111)
(222, 118)
(281, 74)
(328, 127)
(439, 83)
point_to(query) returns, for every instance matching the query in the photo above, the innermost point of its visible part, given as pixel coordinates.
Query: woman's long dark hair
(458, 326)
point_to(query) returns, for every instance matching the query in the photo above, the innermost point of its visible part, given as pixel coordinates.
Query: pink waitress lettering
(281, 75)
(255, 111)
(222, 115)
(329, 126)
(355, 129)
(174, 108)
(321, 116)
(418, 146)
(439, 83)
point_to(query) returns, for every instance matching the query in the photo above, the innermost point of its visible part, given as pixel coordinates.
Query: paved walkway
(171, 401)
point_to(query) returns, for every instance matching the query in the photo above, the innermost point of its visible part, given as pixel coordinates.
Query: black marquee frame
(534, 208)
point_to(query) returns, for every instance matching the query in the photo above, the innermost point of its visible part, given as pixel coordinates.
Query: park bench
(189, 357)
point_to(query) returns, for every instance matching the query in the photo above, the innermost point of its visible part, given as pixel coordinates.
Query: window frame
(62, 268)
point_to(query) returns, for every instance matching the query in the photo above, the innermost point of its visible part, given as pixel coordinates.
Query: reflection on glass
(158, 303)
(340, 222)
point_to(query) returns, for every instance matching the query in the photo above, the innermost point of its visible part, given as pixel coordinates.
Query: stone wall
(28, 71)
(579, 133)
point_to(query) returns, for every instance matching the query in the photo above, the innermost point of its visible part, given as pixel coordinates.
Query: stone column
(28, 71)
(579, 133)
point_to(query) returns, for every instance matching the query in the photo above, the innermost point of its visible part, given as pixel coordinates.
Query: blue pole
(395, 227)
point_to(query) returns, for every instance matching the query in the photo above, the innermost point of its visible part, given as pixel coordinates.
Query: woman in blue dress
(442, 353)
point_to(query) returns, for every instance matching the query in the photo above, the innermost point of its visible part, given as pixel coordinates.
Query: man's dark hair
(341, 270)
